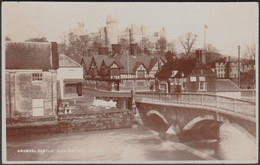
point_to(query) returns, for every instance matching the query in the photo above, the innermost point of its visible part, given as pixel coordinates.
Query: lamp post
(182, 75)
(238, 66)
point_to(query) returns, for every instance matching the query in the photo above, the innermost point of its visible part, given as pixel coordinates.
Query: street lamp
(182, 75)
(238, 66)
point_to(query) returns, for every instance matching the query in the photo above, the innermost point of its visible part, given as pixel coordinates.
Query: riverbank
(89, 121)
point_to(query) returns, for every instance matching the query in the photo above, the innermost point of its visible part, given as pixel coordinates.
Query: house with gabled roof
(69, 77)
(191, 75)
(31, 80)
(122, 72)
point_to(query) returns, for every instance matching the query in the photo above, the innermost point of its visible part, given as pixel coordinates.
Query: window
(202, 86)
(192, 79)
(201, 78)
(37, 77)
(140, 74)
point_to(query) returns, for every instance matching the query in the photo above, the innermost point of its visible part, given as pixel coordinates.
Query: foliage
(212, 54)
(125, 47)
(250, 51)
(161, 45)
(146, 46)
(187, 41)
(170, 56)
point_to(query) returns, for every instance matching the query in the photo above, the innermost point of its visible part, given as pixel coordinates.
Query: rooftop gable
(65, 61)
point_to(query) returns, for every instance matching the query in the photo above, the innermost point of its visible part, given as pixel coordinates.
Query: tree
(146, 46)
(96, 43)
(170, 56)
(161, 45)
(171, 46)
(7, 38)
(250, 51)
(212, 54)
(187, 41)
(78, 44)
(37, 39)
(125, 47)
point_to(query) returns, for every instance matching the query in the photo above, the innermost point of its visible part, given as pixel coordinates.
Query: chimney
(228, 58)
(201, 56)
(106, 40)
(133, 49)
(55, 55)
(116, 49)
(103, 51)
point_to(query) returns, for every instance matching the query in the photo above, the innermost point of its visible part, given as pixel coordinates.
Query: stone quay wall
(91, 121)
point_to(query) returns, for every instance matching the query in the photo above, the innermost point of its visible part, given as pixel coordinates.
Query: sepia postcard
(114, 82)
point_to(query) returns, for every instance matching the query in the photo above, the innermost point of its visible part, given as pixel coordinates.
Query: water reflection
(133, 144)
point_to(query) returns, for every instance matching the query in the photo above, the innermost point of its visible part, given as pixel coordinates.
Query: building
(79, 30)
(110, 34)
(69, 78)
(31, 79)
(123, 72)
(187, 76)
(228, 69)
(112, 28)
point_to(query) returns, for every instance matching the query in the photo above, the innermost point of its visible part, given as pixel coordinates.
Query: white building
(79, 30)
(112, 28)
(69, 77)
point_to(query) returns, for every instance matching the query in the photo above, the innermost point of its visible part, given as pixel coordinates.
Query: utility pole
(238, 66)
(205, 32)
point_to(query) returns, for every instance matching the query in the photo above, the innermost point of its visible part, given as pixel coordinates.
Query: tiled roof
(65, 61)
(99, 59)
(30, 55)
(122, 61)
(86, 61)
(187, 67)
(226, 85)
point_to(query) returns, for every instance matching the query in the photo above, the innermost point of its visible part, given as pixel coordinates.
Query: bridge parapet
(236, 106)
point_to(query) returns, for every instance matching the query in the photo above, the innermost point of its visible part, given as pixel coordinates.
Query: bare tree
(187, 41)
(96, 43)
(79, 44)
(161, 45)
(171, 46)
(250, 51)
(212, 54)
(124, 45)
(146, 46)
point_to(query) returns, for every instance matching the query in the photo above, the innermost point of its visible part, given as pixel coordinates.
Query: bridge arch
(155, 112)
(191, 123)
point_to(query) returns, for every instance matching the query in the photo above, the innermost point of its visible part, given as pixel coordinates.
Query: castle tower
(112, 25)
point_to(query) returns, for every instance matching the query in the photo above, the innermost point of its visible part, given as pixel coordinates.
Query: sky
(229, 24)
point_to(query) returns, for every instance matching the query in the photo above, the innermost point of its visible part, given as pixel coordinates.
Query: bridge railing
(244, 107)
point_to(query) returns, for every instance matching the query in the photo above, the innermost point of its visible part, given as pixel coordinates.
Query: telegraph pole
(238, 66)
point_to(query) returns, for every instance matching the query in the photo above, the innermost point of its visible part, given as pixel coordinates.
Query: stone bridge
(196, 116)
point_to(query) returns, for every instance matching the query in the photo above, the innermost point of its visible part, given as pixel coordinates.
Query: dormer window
(174, 72)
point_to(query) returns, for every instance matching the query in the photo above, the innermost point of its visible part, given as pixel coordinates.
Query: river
(128, 145)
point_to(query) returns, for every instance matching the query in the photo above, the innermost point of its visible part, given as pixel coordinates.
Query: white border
(118, 162)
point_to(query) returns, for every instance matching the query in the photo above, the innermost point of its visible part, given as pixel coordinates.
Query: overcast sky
(229, 24)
